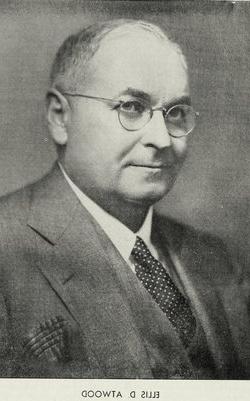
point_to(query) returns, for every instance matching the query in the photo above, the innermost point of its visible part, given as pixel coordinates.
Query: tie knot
(140, 251)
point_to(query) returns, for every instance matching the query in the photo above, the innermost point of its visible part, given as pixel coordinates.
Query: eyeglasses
(133, 115)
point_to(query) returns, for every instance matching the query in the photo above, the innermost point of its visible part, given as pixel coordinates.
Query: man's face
(104, 159)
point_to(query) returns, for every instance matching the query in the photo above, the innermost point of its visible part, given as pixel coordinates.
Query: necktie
(163, 290)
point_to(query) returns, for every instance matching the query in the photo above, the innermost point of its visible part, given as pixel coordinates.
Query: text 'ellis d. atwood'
(94, 394)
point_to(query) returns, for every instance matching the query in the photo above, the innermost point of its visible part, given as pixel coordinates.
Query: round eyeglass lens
(180, 120)
(133, 115)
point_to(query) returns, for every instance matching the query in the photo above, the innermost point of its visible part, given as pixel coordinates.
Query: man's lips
(152, 165)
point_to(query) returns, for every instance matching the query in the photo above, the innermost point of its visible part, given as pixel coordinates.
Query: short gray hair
(68, 70)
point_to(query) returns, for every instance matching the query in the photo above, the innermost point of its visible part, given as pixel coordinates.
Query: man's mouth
(156, 166)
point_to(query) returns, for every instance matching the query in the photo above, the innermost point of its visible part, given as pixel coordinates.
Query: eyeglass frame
(151, 109)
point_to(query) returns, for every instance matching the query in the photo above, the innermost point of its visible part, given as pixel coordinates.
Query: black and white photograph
(124, 191)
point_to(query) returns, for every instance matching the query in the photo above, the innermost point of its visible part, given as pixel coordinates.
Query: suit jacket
(71, 307)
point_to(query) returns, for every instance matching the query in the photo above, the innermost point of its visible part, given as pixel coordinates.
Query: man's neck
(131, 215)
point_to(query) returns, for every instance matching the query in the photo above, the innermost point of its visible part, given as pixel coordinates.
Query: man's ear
(57, 115)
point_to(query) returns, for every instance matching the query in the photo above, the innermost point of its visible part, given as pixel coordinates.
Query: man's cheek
(180, 147)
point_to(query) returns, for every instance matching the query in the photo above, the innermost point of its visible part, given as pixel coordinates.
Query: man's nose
(156, 133)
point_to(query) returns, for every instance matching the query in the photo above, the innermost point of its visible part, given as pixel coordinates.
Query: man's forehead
(133, 40)
(136, 59)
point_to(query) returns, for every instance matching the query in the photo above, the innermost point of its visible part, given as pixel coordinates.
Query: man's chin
(147, 198)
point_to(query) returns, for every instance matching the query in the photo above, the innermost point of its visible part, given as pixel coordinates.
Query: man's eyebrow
(136, 93)
(179, 100)
(147, 98)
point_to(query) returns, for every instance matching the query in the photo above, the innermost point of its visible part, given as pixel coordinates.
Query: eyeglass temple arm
(89, 97)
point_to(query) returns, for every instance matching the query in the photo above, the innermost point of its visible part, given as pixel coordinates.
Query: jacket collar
(53, 205)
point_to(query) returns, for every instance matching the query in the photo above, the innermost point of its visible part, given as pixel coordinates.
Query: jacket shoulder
(15, 205)
(209, 250)
(181, 232)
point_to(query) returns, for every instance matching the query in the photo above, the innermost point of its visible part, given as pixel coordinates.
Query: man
(95, 284)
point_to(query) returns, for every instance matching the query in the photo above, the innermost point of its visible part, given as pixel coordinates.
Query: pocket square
(49, 340)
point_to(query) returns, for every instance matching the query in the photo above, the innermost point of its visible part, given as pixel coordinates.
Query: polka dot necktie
(163, 290)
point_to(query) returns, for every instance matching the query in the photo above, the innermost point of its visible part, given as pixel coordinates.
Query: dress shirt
(120, 235)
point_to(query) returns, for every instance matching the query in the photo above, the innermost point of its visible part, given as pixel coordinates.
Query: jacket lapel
(53, 208)
(192, 265)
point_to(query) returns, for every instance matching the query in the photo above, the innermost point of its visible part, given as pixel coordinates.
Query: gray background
(213, 189)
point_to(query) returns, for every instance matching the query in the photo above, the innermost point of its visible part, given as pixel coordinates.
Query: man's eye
(132, 107)
(176, 113)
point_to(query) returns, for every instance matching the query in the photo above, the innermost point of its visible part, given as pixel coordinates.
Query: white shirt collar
(121, 236)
